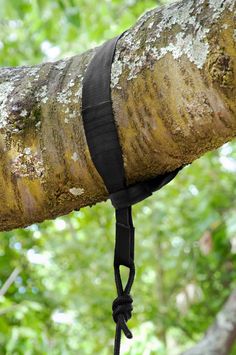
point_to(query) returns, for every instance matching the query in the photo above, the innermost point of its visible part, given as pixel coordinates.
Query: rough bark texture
(173, 89)
(221, 335)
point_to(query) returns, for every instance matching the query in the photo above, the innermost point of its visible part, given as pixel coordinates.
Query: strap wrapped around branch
(106, 153)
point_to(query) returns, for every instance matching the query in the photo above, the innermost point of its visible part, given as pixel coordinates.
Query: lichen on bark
(181, 58)
(180, 29)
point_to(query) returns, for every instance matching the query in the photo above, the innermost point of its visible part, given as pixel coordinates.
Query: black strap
(124, 255)
(98, 119)
(103, 142)
(135, 193)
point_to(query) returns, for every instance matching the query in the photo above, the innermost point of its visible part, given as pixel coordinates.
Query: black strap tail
(124, 256)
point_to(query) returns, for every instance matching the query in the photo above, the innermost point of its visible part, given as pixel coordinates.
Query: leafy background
(60, 300)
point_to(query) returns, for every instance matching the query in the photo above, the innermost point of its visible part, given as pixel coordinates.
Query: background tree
(185, 233)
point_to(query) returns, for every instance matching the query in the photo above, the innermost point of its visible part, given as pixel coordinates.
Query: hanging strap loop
(124, 256)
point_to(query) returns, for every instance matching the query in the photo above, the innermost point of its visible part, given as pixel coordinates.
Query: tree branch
(9, 281)
(221, 336)
(173, 91)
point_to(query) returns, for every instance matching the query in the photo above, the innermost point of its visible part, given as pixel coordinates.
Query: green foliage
(36, 30)
(60, 303)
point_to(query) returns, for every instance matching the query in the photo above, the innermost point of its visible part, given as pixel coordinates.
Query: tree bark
(173, 90)
(221, 335)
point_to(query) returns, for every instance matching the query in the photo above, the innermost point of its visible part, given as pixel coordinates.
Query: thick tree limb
(221, 335)
(173, 89)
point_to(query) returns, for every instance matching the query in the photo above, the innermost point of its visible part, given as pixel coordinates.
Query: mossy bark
(173, 90)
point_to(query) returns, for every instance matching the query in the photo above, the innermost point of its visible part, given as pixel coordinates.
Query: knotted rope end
(122, 310)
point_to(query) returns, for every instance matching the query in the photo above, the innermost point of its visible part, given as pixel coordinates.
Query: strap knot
(122, 311)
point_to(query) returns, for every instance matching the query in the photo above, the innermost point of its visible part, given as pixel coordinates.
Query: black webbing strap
(103, 142)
